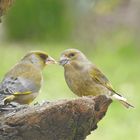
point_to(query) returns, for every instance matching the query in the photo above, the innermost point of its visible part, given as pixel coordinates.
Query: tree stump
(60, 120)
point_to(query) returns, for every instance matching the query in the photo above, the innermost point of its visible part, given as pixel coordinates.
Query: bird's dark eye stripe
(43, 56)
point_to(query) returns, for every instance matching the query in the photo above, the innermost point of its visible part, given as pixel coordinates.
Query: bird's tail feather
(122, 100)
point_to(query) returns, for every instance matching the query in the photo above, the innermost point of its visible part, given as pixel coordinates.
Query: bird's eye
(71, 54)
(43, 56)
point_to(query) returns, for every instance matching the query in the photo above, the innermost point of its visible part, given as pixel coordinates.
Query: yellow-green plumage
(23, 82)
(84, 78)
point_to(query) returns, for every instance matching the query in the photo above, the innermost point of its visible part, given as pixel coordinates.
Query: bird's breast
(82, 84)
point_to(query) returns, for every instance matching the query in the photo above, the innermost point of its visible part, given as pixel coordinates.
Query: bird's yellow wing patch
(100, 78)
(22, 93)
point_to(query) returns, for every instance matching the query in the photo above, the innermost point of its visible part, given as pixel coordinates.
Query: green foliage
(38, 20)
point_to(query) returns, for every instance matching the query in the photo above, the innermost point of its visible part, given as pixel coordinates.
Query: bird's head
(72, 57)
(38, 58)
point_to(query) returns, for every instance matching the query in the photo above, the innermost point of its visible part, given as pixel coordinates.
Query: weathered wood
(60, 120)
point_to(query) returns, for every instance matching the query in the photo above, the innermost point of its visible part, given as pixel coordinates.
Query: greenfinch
(84, 78)
(23, 82)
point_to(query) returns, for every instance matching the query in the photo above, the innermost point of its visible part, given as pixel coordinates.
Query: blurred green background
(107, 31)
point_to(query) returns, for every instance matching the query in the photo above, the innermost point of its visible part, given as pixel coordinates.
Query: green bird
(23, 82)
(84, 78)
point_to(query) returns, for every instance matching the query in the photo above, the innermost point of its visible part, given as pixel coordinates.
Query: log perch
(60, 120)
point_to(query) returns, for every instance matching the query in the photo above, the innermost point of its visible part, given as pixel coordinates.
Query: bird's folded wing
(17, 87)
(100, 78)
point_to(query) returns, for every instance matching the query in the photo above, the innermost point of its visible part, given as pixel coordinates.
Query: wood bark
(60, 120)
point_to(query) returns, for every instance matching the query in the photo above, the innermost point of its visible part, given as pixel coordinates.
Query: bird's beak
(63, 60)
(50, 60)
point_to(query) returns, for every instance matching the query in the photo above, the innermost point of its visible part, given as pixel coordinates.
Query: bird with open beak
(23, 82)
(84, 78)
